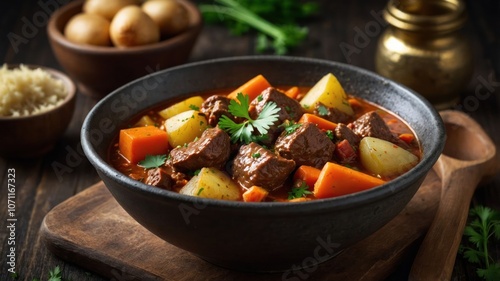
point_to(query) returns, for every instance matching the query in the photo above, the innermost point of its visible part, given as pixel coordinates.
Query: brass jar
(424, 48)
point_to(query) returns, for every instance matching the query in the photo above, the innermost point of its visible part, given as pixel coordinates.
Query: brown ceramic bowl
(99, 70)
(265, 236)
(34, 135)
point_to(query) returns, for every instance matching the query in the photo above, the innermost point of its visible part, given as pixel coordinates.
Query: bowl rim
(279, 208)
(196, 23)
(56, 74)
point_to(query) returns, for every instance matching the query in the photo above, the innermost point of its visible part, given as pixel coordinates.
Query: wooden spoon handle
(436, 256)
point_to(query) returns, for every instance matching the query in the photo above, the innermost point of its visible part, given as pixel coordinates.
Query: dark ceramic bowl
(268, 236)
(34, 135)
(99, 70)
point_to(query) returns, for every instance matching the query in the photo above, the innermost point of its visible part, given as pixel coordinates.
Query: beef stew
(269, 143)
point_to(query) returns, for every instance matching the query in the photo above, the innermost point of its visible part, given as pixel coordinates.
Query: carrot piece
(307, 174)
(255, 194)
(322, 123)
(136, 143)
(293, 92)
(336, 180)
(408, 138)
(300, 199)
(252, 88)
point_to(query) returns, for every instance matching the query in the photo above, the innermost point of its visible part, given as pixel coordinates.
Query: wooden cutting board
(92, 230)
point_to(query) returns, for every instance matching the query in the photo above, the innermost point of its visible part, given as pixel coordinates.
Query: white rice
(25, 91)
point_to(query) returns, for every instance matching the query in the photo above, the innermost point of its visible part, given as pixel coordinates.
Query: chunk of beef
(160, 178)
(307, 145)
(212, 149)
(331, 114)
(290, 110)
(214, 107)
(178, 178)
(371, 124)
(342, 132)
(255, 165)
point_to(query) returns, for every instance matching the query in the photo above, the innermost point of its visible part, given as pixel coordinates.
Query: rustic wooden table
(41, 184)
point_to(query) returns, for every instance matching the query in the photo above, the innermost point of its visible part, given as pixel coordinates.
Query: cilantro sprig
(243, 132)
(153, 161)
(298, 192)
(290, 127)
(240, 17)
(55, 274)
(322, 110)
(480, 232)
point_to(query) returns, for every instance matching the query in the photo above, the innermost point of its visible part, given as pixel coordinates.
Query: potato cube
(384, 158)
(185, 127)
(191, 103)
(212, 183)
(145, 121)
(330, 93)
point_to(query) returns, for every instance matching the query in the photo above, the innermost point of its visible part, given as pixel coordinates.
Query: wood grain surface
(93, 231)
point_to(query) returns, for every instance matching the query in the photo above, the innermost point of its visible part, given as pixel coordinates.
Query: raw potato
(211, 183)
(182, 106)
(106, 8)
(185, 127)
(329, 92)
(170, 15)
(131, 26)
(88, 29)
(384, 158)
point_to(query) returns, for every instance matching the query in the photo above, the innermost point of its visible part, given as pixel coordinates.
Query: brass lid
(426, 15)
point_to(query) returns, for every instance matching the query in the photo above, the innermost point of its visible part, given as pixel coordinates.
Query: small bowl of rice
(36, 107)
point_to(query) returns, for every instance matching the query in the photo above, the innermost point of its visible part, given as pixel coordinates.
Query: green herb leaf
(290, 127)
(492, 273)
(153, 161)
(55, 274)
(266, 118)
(330, 135)
(479, 232)
(275, 20)
(243, 132)
(298, 192)
(322, 110)
(194, 107)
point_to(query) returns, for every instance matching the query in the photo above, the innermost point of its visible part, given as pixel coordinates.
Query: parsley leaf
(330, 135)
(298, 192)
(194, 107)
(484, 227)
(322, 110)
(243, 131)
(55, 274)
(290, 127)
(153, 161)
(275, 21)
